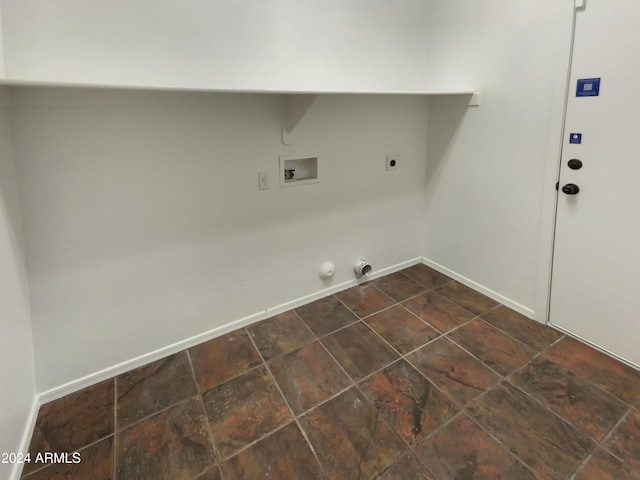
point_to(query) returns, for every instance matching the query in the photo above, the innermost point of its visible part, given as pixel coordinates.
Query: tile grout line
(464, 413)
(217, 459)
(456, 402)
(499, 441)
(339, 366)
(609, 434)
(396, 302)
(442, 335)
(284, 398)
(555, 414)
(542, 351)
(581, 465)
(254, 442)
(449, 300)
(481, 317)
(415, 315)
(433, 433)
(404, 357)
(461, 347)
(591, 382)
(507, 378)
(357, 384)
(332, 397)
(601, 444)
(113, 448)
(428, 287)
(321, 337)
(401, 357)
(84, 447)
(594, 443)
(381, 417)
(341, 391)
(379, 413)
(528, 347)
(251, 369)
(586, 379)
(281, 355)
(308, 329)
(147, 417)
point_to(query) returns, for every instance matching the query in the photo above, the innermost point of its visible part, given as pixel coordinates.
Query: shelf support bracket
(455, 100)
(295, 107)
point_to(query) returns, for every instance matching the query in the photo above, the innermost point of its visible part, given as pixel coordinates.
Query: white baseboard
(527, 312)
(25, 441)
(92, 379)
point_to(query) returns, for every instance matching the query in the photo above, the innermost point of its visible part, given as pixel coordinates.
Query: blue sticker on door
(588, 87)
(575, 138)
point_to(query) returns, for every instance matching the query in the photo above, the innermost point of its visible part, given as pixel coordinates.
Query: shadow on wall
(444, 124)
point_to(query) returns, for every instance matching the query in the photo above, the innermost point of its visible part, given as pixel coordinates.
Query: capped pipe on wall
(361, 267)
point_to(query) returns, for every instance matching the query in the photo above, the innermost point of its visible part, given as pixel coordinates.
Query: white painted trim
(91, 379)
(25, 441)
(527, 312)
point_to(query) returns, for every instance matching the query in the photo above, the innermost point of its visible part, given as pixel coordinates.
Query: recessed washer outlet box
(298, 170)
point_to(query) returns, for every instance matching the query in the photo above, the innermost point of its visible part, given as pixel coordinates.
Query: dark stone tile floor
(410, 376)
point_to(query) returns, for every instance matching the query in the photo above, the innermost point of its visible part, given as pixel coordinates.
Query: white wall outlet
(264, 181)
(393, 161)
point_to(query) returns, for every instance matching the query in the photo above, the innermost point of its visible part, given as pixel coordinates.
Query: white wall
(226, 44)
(1, 46)
(489, 177)
(144, 224)
(143, 221)
(16, 346)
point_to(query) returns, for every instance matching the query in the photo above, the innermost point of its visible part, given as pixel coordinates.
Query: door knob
(574, 164)
(570, 189)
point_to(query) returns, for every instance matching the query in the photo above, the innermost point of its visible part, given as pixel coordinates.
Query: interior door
(595, 287)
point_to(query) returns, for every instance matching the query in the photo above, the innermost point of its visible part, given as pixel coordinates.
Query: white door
(595, 287)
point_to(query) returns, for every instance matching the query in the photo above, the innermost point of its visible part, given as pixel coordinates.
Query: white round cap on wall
(327, 269)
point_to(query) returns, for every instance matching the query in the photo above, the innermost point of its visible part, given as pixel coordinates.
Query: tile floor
(411, 376)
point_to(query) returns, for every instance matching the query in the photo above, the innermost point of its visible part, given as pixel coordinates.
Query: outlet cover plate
(393, 161)
(264, 181)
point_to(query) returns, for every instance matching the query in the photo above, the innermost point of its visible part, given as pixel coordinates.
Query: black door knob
(570, 189)
(574, 164)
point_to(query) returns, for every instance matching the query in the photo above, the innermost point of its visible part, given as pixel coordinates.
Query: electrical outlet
(264, 181)
(393, 161)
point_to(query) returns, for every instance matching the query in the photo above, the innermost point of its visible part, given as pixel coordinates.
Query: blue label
(588, 87)
(575, 138)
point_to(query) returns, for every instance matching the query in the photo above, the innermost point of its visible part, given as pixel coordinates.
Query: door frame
(555, 143)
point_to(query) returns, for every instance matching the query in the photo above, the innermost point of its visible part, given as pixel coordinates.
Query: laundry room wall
(16, 346)
(491, 169)
(145, 226)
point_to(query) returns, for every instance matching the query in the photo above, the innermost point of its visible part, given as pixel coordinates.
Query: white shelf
(296, 102)
(14, 82)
